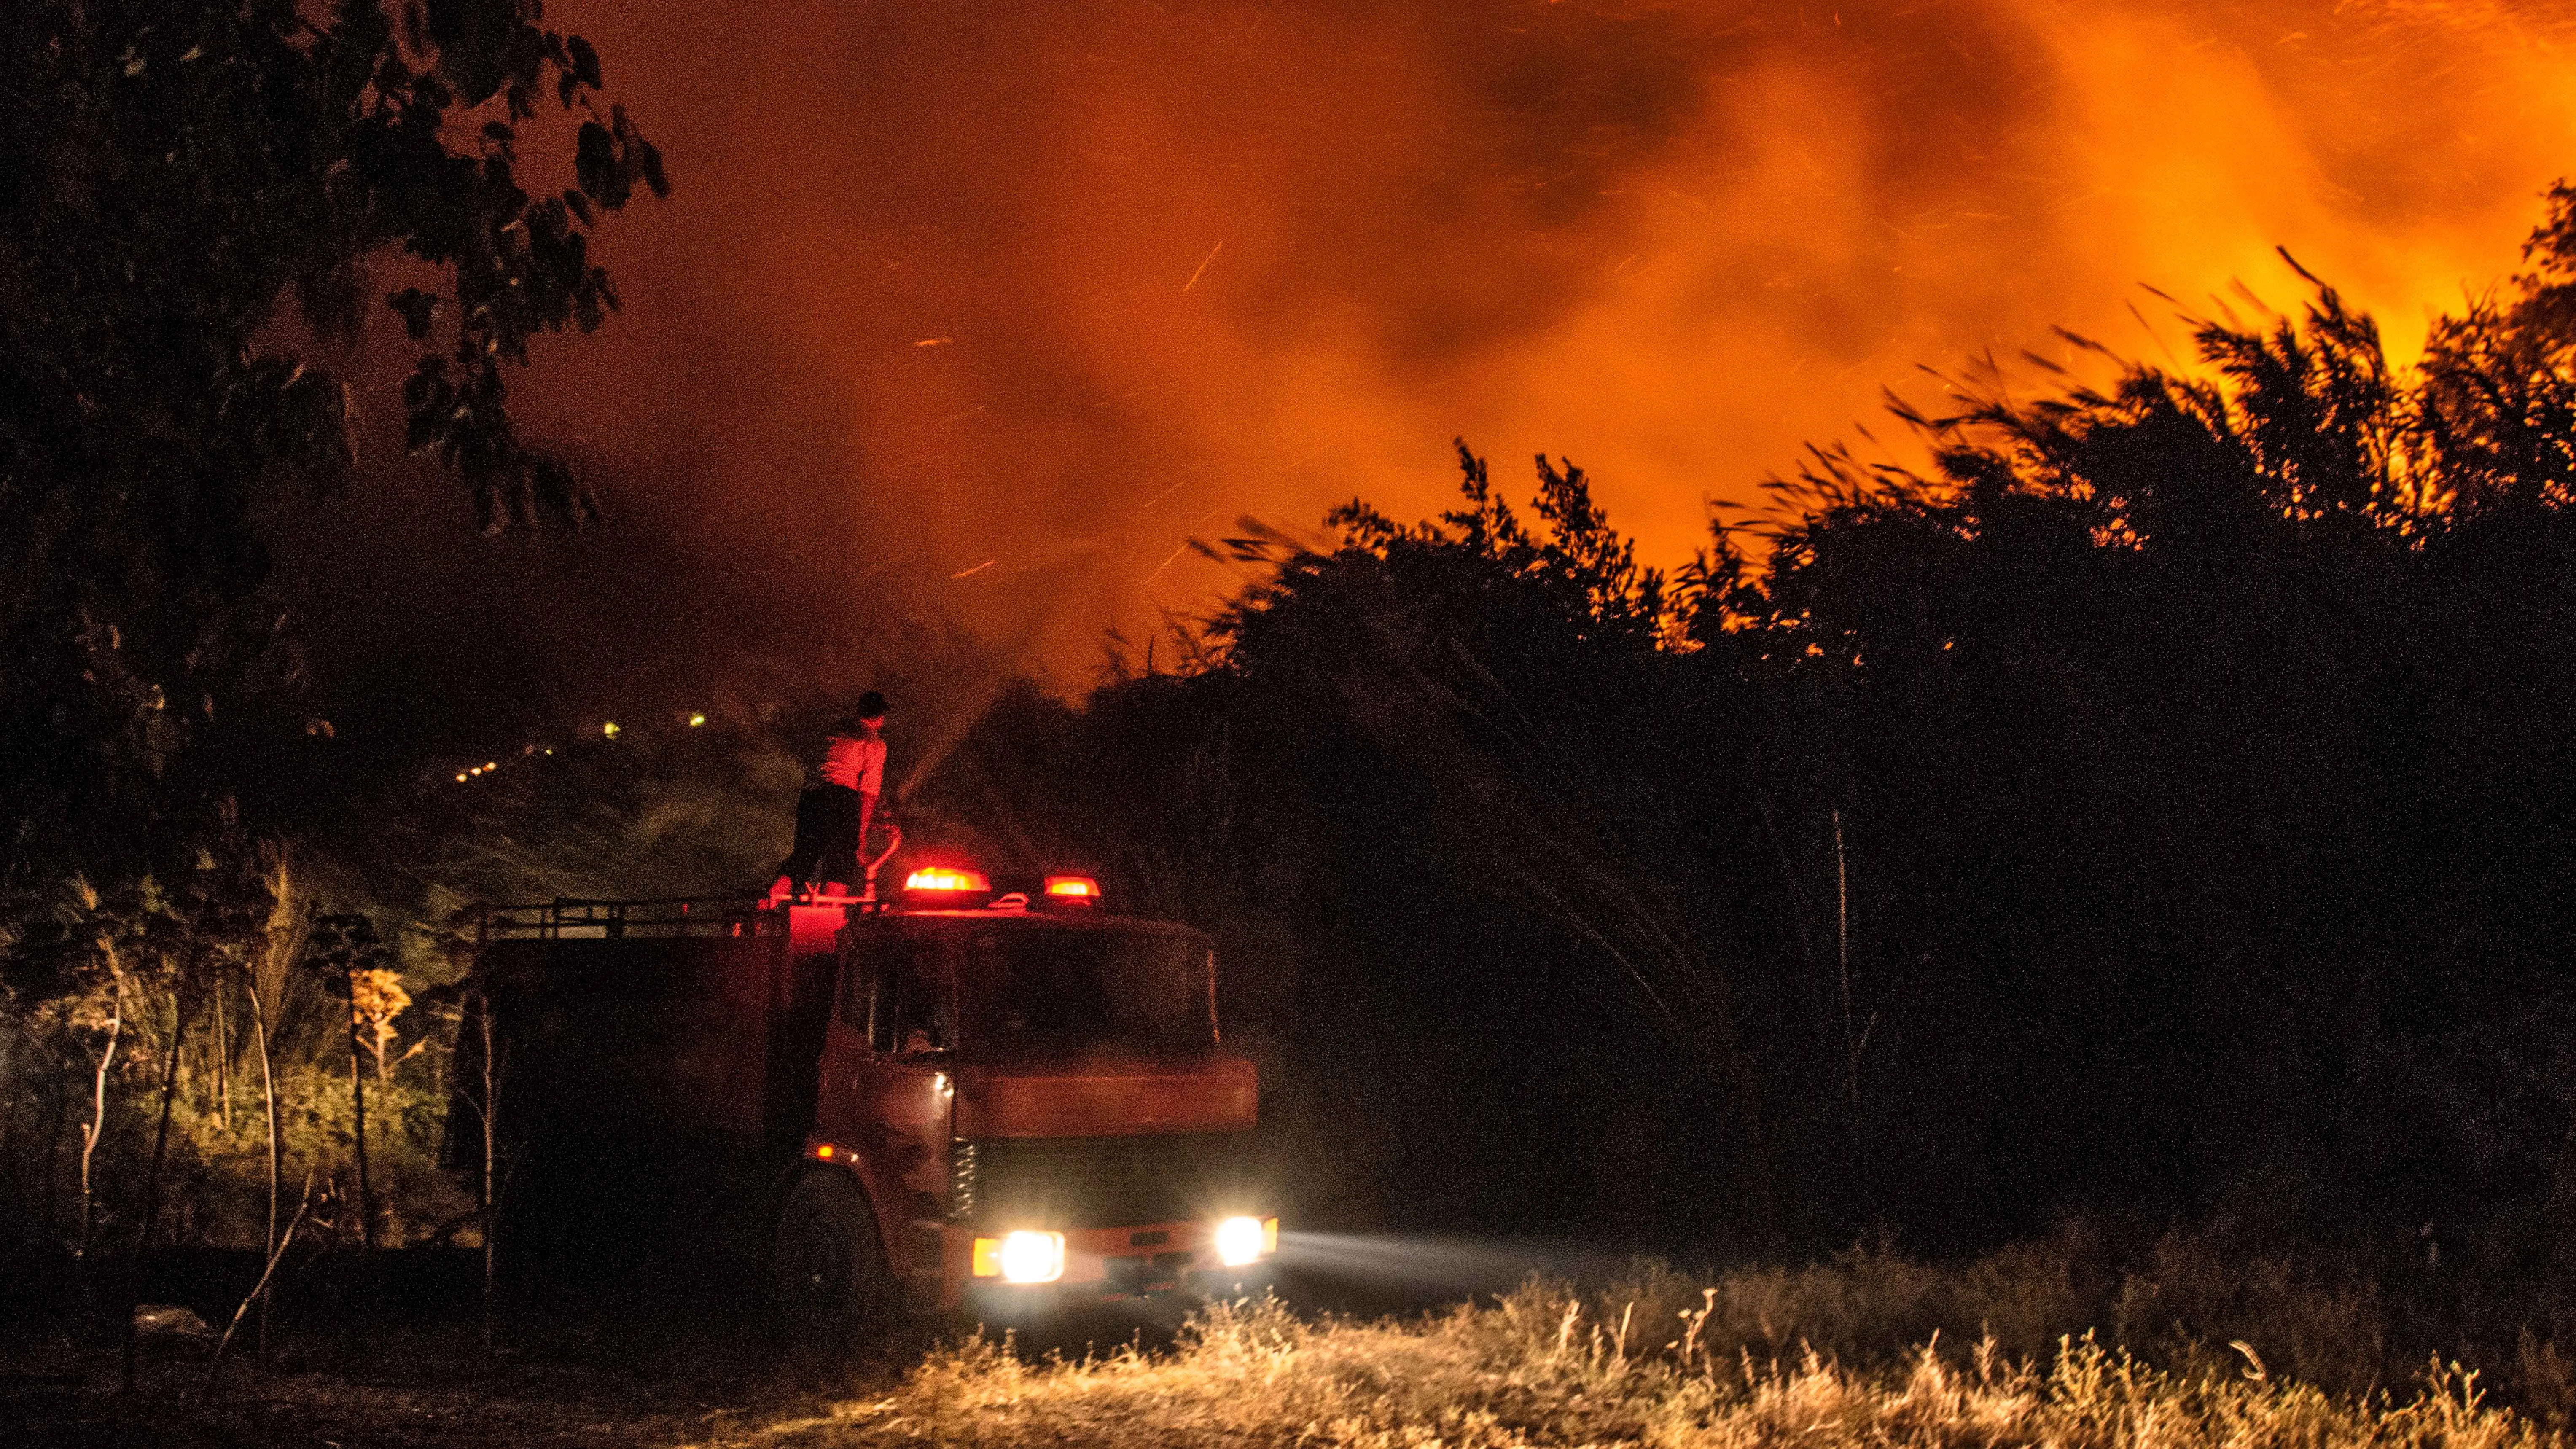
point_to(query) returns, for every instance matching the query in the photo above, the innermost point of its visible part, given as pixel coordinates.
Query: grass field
(2191, 1350)
(1542, 1368)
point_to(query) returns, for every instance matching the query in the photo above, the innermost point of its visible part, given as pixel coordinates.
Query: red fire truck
(990, 1096)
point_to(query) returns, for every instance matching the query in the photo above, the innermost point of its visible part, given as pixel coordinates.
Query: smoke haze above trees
(197, 207)
(1032, 295)
(2193, 752)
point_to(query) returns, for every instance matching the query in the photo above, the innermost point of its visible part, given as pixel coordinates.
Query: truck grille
(961, 1180)
(1101, 1182)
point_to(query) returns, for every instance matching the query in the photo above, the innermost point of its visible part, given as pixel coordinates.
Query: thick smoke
(979, 312)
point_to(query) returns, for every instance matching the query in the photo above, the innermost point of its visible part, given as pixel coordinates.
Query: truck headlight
(1021, 1257)
(1243, 1241)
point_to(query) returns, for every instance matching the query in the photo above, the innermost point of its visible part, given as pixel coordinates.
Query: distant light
(609, 729)
(945, 878)
(460, 777)
(823, 1151)
(491, 764)
(696, 720)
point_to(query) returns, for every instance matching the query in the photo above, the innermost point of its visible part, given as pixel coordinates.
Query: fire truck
(997, 1097)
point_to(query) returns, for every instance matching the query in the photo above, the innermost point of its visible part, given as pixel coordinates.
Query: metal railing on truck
(567, 919)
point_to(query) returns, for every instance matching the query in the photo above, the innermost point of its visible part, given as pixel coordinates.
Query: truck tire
(828, 1275)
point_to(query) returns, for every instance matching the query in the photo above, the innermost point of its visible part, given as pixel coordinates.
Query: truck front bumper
(1107, 1265)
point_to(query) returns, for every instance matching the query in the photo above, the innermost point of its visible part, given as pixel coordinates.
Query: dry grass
(2179, 1304)
(1542, 1367)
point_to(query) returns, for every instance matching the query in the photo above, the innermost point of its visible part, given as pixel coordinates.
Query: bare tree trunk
(276, 1164)
(182, 1009)
(93, 1130)
(183, 1005)
(1842, 960)
(259, 1290)
(49, 1176)
(491, 1153)
(358, 1111)
(224, 1055)
(13, 1156)
(1856, 1030)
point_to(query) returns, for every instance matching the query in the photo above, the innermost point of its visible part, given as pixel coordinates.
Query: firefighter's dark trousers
(828, 819)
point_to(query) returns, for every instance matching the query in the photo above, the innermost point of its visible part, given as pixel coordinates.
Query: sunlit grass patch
(1541, 1367)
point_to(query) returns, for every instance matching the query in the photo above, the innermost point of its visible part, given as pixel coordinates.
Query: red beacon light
(946, 878)
(1073, 888)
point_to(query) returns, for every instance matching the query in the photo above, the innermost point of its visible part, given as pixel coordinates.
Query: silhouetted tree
(2157, 804)
(192, 199)
(344, 947)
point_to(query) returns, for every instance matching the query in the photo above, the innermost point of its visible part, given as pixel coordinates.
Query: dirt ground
(395, 1358)
(655, 1374)
(1540, 1368)
(571, 1385)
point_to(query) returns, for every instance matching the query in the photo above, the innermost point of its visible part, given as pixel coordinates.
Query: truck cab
(999, 1100)
(1021, 1099)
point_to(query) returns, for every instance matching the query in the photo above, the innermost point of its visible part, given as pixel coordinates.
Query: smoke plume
(964, 318)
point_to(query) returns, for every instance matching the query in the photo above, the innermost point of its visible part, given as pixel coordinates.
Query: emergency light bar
(946, 878)
(1073, 887)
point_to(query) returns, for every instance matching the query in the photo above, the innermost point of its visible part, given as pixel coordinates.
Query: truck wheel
(828, 1273)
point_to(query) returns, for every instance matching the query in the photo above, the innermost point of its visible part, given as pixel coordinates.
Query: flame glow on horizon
(991, 308)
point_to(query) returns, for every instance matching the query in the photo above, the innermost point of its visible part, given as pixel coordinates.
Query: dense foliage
(202, 205)
(194, 198)
(2157, 808)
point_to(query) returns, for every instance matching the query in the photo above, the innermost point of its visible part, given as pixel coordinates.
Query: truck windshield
(1040, 990)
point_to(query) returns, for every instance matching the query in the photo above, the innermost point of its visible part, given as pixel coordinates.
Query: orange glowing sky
(1059, 286)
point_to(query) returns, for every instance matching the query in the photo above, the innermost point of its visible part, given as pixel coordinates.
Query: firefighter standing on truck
(838, 805)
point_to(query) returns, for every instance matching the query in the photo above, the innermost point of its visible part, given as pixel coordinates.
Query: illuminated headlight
(1022, 1257)
(1241, 1241)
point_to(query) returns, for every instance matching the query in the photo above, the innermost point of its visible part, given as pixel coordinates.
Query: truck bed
(653, 1088)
